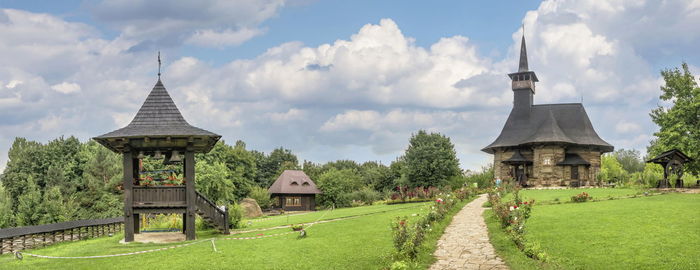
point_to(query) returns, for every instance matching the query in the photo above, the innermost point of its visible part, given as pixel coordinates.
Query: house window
(293, 201)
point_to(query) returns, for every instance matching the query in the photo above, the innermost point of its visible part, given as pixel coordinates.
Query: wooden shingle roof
(549, 123)
(159, 117)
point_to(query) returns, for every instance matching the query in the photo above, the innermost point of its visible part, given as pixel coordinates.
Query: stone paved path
(465, 243)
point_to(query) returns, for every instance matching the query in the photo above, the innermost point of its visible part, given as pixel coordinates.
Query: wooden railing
(20, 238)
(174, 196)
(212, 213)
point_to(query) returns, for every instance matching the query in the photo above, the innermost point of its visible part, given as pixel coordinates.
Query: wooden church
(545, 144)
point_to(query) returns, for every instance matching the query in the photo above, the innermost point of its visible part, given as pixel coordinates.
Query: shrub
(261, 196)
(399, 265)
(512, 216)
(235, 215)
(366, 196)
(409, 237)
(581, 197)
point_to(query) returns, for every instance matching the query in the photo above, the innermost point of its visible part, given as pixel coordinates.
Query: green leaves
(430, 159)
(679, 124)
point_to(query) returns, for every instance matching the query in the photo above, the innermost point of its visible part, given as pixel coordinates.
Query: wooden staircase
(212, 214)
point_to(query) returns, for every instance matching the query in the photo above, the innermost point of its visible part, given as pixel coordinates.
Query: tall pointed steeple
(523, 82)
(523, 55)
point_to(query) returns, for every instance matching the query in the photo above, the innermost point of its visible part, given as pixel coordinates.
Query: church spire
(523, 55)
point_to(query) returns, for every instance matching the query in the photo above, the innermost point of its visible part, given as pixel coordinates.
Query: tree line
(66, 179)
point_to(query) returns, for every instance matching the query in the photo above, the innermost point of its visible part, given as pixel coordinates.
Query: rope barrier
(19, 255)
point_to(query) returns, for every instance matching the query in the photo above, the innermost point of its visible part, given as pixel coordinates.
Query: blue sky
(336, 79)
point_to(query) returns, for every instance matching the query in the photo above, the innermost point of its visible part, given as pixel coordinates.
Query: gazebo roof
(665, 157)
(294, 182)
(159, 125)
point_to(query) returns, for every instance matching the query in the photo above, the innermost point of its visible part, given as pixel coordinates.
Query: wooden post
(190, 195)
(128, 199)
(137, 223)
(184, 222)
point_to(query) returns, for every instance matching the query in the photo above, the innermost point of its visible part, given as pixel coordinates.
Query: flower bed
(513, 216)
(409, 233)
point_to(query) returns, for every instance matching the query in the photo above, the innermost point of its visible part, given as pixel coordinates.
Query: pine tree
(53, 208)
(29, 210)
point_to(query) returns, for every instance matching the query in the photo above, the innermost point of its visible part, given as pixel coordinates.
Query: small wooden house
(294, 191)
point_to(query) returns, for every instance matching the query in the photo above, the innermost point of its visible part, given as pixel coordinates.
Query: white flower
(512, 208)
(515, 218)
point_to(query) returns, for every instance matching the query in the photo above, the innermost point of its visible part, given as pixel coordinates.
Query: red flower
(515, 206)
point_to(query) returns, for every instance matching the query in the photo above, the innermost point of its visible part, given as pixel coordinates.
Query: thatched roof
(294, 182)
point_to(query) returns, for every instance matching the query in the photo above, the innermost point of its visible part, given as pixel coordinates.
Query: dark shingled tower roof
(549, 123)
(294, 182)
(158, 117)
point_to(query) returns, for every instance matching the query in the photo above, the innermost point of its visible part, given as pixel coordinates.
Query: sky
(334, 79)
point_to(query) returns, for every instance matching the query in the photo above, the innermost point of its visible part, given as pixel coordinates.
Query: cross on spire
(158, 65)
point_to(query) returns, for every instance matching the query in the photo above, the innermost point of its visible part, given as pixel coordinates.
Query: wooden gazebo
(160, 131)
(672, 161)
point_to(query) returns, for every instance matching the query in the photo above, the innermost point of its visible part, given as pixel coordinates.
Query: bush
(366, 196)
(261, 196)
(235, 215)
(581, 197)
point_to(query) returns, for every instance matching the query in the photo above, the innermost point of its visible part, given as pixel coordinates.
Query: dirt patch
(158, 237)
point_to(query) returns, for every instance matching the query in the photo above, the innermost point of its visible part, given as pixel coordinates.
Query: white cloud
(66, 88)
(208, 23)
(627, 127)
(360, 97)
(228, 37)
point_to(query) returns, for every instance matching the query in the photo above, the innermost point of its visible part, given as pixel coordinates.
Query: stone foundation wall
(544, 171)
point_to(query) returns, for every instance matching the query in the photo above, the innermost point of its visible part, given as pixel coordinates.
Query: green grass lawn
(655, 232)
(564, 195)
(358, 243)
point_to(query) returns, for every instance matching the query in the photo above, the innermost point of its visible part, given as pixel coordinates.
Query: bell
(141, 155)
(158, 155)
(175, 157)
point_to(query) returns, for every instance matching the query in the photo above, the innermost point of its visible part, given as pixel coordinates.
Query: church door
(574, 172)
(520, 175)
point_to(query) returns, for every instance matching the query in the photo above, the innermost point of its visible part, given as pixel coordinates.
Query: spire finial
(159, 65)
(523, 54)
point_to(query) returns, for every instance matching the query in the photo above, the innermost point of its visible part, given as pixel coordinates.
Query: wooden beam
(128, 197)
(190, 195)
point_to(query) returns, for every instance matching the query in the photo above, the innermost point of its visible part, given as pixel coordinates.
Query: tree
(679, 125)
(430, 160)
(377, 176)
(336, 185)
(241, 165)
(214, 182)
(630, 160)
(269, 167)
(611, 170)
(53, 208)
(29, 205)
(7, 218)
